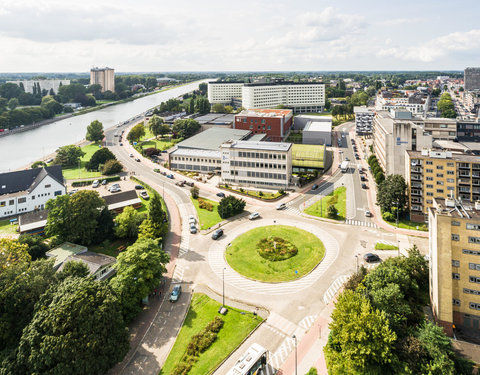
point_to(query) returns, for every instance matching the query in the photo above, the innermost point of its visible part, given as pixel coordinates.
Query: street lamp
(223, 287)
(295, 338)
(398, 247)
(398, 204)
(356, 256)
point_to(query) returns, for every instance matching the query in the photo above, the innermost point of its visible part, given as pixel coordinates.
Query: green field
(7, 228)
(207, 218)
(237, 325)
(408, 224)
(243, 257)
(384, 246)
(110, 247)
(320, 208)
(255, 193)
(81, 172)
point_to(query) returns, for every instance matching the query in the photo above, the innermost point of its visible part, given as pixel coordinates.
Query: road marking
(361, 223)
(334, 288)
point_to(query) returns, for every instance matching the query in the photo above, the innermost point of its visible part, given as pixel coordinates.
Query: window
(48, 186)
(440, 175)
(455, 263)
(33, 197)
(455, 237)
(3, 204)
(440, 191)
(474, 266)
(450, 172)
(470, 252)
(11, 202)
(475, 306)
(439, 182)
(429, 162)
(456, 302)
(450, 180)
(429, 170)
(471, 291)
(429, 178)
(473, 239)
(473, 226)
(439, 166)
(474, 279)
(455, 276)
(429, 186)
(455, 223)
(450, 164)
(22, 200)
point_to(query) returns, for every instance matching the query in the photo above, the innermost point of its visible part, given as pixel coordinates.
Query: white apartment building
(224, 92)
(258, 164)
(45, 84)
(29, 189)
(415, 103)
(195, 160)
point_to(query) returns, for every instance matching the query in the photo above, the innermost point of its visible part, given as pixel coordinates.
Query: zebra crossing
(294, 210)
(184, 243)
(361, 223)
(217, 263)
(307, 322)
(385, 242)
(334, 288)
(178, 274)
(277, 359)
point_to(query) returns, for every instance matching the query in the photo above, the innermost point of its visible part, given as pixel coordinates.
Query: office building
(258, 164)
(394, 133)
(471, 79)
(30, 189)
(318, 132)
(439, 128)
(224, 92)
(104, 77)
(274, 123)
(468, 131)
(454, 267)
(415, 102)
(440, 174)
(44, 84)
(363, 120)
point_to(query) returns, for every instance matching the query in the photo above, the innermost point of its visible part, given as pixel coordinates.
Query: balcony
(416, 192)
(416, 177)
(464, 166)
(417, 185)
(464, 181)
(416, 170)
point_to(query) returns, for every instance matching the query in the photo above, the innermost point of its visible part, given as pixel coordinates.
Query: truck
(344, 166)
(360, 168)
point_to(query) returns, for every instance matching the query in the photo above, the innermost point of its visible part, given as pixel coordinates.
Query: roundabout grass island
(275, 253)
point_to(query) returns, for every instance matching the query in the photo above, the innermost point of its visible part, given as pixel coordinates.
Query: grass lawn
(110, 247)
(160, 144)
(320, 208)
(77, 173)
(243, 257)
(408, 224)
(256, 193)
(295, 137)
(7, 228)
(384, 246)
(237, 325)
(207, 218)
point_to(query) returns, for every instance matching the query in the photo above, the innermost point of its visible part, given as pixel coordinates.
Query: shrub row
(377, 170)
(202, 203)
(197, 345)
(89, 182)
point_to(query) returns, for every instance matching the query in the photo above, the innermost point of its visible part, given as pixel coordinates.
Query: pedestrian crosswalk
(293, 210)
(178, 274)
(334, 288)
(307, 322)
(361, 223)
(184, 243)
(385, 242)
(279, 357)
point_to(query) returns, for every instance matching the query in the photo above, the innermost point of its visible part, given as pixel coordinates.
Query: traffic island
(275, 253)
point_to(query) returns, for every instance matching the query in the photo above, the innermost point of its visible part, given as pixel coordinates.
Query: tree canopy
(137, 132)
(230, 206)
(99, 157)
(95, 131)
(392, 192)
(68, 156)
(155, 124)
(127, 223)
(185, 128)
(13, 252)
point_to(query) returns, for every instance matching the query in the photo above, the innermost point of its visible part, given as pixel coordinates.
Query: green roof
(63, 251)
(308, 156)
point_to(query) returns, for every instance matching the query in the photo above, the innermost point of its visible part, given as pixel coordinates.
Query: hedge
(89, 182)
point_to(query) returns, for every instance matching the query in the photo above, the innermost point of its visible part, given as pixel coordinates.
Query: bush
(276, 248)
(388, 216)
(379, 177)
(112, 167)
(332, 211)
(38, 164)
(230, 206)
(151, 151)
(195, 191)
(100, 156)
(202, 203)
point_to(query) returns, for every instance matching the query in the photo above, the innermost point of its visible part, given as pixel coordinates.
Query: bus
(344, 166)
(253, 362)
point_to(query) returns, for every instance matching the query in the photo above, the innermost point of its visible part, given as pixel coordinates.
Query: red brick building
(275, 123)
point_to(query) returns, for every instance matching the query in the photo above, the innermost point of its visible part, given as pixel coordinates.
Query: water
(20, 149)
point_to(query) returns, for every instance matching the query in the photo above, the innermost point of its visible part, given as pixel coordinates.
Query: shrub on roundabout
(276, 248)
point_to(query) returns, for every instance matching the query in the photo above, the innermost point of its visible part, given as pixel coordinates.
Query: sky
(246, 35)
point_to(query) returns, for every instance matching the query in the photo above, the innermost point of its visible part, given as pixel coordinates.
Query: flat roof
(213, 138)
(257, 137)
(263, 146)
(196, 152)
(461, 157)
(216, 118)
(284, 83)
(318, 126)
(259, 112)
(308, 156)
(455, 208)
(63, 251)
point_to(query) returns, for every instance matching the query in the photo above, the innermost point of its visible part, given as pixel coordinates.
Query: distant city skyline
(308, 35)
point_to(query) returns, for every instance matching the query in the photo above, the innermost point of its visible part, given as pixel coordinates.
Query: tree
(36, 247)
(112, 167)
(185, 128)
(230, 206)
(218, 108)
(99, 157)
(195, 191)
(68, 156)
(392, 193)
(127, 223)
(13, 103)
(332, 211)
(360, 341)
(77, 328)
(75, 217)
(38, 164)
(202, 105)
(13, 252)
(10, 90)
(105, 226)
(73, 269)
(191, 107)
(20, 288)
(95, 131)
(155, 124)
(137, 132)
(139, 270)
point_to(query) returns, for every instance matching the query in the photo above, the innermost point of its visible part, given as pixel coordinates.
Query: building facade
(104, 77)
(417, 103)
(454, 250)
(29, 189)
(440, 128)
(257, 164)
(468, 131)
(471, 79)
(45, 84)
(275, 123)
(224, 92)
(363, 120)
(439, 174)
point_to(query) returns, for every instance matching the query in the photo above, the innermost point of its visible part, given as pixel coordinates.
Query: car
(347, 159)
(221, 195)
(121, 144)
(171, 176)
(193, 229)
(180, 183)
(139, 187)
(370, 257)
(96, 184)
(114, 186)
(164, 152)
(281, 206)
(49, 161)
(368, 213)
(131, 155)
(253, 216)
(175, 295)
(217, 234)
(104, 182)
(191, 184)
(363, 178)
(192, 220)
(144, 195)
(357, 157)
(343, 135)
(73, 191)
(115, 189)
(137, 160)
(364, 186)
(314, 187)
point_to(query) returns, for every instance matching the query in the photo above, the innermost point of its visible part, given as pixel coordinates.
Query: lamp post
(398, 204)
(223, 287)
(295, 338)
(398, 247)
(356, 256)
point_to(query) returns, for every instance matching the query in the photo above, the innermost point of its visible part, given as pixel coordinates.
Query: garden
(337, 198)
(275, 253)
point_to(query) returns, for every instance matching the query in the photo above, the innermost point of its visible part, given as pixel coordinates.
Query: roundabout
(275, 253)
(291, 282)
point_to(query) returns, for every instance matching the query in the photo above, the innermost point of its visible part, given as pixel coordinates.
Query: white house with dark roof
(29, 189)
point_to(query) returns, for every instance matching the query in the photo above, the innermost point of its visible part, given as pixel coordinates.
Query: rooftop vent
(449, 202)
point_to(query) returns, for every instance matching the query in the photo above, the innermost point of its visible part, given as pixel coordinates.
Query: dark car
(363, 178)
(164, 152)
(315, 187)
(175, 295)
(170, 176)
(139, 187)
(217, 234)
(364, 186)
(369, 258)
(137, 160)
(121, 144)
(221, 195)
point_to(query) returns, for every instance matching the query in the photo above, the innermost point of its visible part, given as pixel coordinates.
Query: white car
(96, 184)
(281, 206)
(131, 155)
(192, 220)
(254, 215)
(144, 195)
(115, 190)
